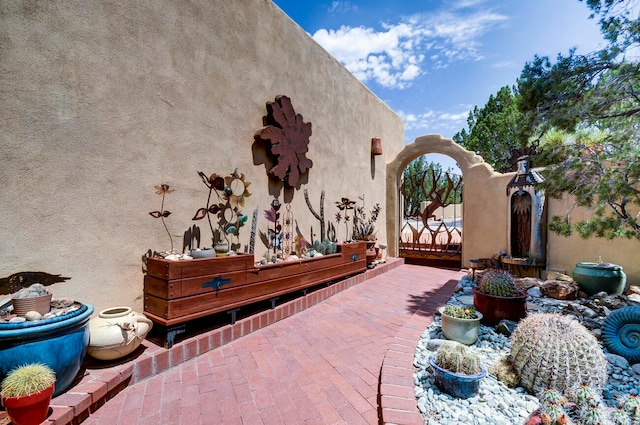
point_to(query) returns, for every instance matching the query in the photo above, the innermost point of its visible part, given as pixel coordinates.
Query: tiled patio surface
(340, 355)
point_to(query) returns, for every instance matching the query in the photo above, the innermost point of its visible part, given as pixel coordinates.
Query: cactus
(620, 417)
(457, 358)
(555, 413)
(584, 396)
(631, 405)
(325, 247)
(550, 350)
(466, 312)
(27, 379)
(592, 415)
(551, 395)
(499, 283)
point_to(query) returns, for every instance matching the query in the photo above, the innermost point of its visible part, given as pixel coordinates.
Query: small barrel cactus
(551, 350)
(631, 405)
(459, 312)
(457, 359)
(592, 415)
(498, 282)
(27, 379)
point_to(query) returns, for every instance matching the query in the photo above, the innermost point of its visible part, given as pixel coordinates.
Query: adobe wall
(485, 214)
(102, 101)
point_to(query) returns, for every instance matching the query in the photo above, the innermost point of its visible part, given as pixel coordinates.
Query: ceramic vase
(596, 277)
(117, 332)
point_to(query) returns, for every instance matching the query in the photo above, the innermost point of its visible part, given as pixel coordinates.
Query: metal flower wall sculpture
(163, 189)
(287, 136)
(230, 192)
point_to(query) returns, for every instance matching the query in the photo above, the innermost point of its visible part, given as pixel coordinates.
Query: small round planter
(59, 342)
(494, 308)
(116, 333)
(42, 304)
(29, 410)
(597, 277)
(464, 331)
(456, 384)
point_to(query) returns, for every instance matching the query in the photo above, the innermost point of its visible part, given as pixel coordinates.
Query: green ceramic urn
(597, 277)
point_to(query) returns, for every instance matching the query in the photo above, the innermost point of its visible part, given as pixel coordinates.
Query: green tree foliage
(493, 130)
(596, 99)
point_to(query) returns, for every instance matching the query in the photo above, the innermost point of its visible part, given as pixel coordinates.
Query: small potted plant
(460, 323)
(364, 229)
(457, 370)
(26, 393)
(498, 296)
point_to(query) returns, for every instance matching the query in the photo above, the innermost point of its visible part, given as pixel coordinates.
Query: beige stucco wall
(101, 101)
(485, 225)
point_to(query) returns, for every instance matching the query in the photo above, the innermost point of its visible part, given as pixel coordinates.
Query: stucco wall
(101, 101)
(485, 225)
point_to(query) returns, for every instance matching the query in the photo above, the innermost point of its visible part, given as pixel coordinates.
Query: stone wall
(101, 101)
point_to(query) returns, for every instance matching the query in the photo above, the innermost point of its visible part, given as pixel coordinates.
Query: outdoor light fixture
(376, 146)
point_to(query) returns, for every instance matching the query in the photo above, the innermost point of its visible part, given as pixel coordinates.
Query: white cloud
(436, 121)
(394, 56)
(342, 7)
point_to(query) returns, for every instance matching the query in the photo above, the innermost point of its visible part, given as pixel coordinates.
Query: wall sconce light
(376, 146)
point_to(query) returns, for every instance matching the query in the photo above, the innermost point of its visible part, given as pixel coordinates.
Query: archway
(468, 162)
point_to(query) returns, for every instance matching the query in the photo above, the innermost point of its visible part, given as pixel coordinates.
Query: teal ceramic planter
(59, 342)
(597, 277)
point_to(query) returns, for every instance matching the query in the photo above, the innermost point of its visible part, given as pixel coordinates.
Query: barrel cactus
(457, 358)
(551, 350)
(498, 282)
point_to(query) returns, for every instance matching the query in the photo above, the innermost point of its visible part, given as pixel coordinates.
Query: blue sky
(432, 61)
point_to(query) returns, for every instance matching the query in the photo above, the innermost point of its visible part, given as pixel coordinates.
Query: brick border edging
(398, 404)
(100, 385)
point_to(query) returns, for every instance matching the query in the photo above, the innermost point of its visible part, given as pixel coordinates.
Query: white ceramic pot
(116, 332)
(464, 331)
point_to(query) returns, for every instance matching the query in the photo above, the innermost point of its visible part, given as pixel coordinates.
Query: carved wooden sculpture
(287, 137)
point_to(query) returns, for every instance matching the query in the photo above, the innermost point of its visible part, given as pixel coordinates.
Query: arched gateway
(469, 164)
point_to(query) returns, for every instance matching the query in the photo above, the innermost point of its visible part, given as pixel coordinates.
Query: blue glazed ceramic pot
(456, 384)
(59, 342)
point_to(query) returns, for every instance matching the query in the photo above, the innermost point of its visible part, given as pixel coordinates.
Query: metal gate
(431, 212)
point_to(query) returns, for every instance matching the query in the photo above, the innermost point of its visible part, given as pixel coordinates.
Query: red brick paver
(346, 360)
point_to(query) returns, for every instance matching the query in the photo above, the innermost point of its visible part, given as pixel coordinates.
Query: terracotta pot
(40, 304)
(117, 332)
(495, 308)
(29, 410)
(464, 331)
(456, 384)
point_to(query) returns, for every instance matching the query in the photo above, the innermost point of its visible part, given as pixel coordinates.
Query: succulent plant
(551, 350)
(325, 247)
(551, 395)
(466, 312)
(27, 379)
(499, 283)
(584, 396)
(553, 413)
(620, 417)
(457, 358)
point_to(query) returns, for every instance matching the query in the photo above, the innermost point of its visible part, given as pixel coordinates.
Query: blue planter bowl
(456, 384)
(59, 342)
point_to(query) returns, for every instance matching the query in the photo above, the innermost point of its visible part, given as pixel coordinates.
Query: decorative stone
(553, 275)
(559, 289)
(32, 316)
(621, 333)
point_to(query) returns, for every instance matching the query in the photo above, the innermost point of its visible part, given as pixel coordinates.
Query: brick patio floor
(344, 359)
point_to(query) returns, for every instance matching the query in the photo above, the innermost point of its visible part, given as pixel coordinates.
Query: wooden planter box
(178, 291)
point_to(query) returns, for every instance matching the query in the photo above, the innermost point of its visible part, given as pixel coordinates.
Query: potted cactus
(499, 297)
(460, 323)
(26, 393)
(457, 370)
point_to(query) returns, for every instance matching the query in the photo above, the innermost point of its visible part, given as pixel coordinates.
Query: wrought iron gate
(431, 212)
